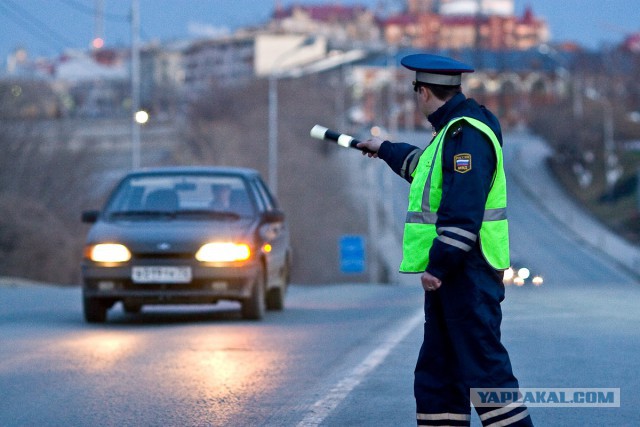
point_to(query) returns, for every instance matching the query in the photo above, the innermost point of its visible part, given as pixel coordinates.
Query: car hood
(170, 236)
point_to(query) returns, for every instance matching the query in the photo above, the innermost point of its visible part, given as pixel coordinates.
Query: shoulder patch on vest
(462, 162)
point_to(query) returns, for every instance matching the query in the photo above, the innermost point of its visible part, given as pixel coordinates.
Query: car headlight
(108, 252)
(223, 252)
(524, 273)
(537, 280)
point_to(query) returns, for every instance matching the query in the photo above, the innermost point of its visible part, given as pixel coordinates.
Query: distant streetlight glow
(142, 117)
(509, 274)
(97, 43)
(537, 281)
(524, 273)
(376, 131)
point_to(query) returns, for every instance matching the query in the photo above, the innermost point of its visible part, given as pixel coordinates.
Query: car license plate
(160, 274)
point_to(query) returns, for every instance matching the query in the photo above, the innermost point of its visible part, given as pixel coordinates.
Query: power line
(37, 28)
(113, 17)
(33, 29)
(45, 31)
(90, 11)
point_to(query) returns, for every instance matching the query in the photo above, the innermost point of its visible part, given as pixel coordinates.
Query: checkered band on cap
(439, 79)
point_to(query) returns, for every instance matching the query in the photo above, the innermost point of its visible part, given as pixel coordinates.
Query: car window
(265, 195)
(182, 194)
(258, 196)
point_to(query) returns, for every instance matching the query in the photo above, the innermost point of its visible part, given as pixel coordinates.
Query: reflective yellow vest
(425, 195)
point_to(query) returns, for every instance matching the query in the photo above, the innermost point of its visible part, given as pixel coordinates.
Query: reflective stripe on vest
(425, 195)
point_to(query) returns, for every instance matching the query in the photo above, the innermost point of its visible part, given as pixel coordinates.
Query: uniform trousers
(462, 350)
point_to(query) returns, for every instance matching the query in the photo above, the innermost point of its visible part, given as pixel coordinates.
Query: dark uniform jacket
(463, 194)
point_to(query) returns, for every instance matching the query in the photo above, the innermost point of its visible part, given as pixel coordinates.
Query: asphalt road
(339, 355)
(191, 366)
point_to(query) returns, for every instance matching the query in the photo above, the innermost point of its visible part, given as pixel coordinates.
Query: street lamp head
(141, 117)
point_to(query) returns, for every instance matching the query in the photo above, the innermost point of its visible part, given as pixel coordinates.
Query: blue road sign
(352, 253)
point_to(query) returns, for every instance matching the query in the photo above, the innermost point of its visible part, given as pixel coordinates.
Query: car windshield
(187, 195)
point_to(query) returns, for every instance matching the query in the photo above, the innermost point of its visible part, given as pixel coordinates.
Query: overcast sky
(46, 27)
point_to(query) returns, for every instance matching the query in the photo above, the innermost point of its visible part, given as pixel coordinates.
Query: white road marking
(323, 407)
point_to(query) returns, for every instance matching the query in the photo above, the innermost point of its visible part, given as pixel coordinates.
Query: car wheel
(95, 310)
(275, 296)
(253, 307)
(275, 299)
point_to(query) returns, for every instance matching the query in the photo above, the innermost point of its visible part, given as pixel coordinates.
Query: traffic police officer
(456, 237)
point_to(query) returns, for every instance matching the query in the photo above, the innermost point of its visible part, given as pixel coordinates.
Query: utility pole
(98, 36)
(135, 83)
(478, 36)
(275, 73)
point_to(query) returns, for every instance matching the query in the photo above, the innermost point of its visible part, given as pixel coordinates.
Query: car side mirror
(274, 216)
(90, 216)
(272, 225)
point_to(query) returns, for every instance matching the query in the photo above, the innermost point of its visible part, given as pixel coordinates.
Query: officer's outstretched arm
(401, 157)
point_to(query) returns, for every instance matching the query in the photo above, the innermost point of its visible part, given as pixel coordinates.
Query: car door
(277, 235)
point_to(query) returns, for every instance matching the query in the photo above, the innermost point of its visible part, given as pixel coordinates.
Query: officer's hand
(372, 144)
(430, 282)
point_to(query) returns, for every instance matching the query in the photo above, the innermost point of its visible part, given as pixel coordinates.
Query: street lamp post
(273, 133)
(135, 83)
(274, 75)
(565, 73)
(612, 170)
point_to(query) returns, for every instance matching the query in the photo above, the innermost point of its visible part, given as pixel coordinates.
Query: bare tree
(43, 187)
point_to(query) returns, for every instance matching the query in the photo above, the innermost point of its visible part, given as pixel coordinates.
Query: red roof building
(434, 31)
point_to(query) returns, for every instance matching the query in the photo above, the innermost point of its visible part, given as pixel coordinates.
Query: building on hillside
(341, 25)
(476, 7)
(494, 27)
(163, 76)
(278, 53)
(20, 65)
(421, 6)
(83, 66)
(218, 62)
(98, 83)
(511, 83)
(631, 43)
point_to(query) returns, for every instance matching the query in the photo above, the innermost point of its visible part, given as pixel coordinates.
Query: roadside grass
(617, 207)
